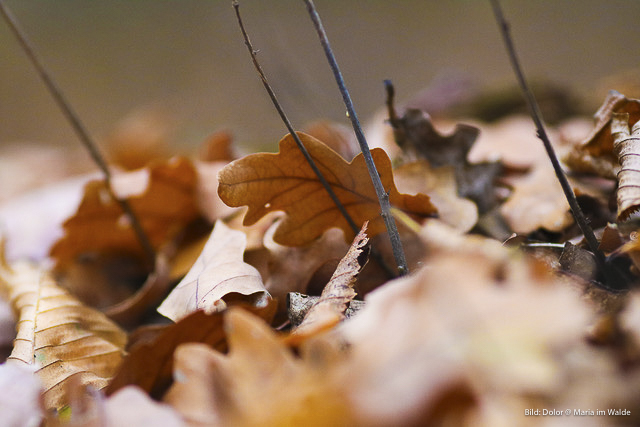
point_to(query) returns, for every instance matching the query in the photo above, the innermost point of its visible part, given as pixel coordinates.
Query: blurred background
(187, 58)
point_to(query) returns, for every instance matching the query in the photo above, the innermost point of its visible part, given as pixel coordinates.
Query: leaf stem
(383, 196)
(79, 129)
(536, 115)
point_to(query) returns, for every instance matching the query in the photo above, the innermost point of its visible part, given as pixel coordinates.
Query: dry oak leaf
(284, 181)
(163, 196)
(338, 293)
(150, 362)
(626, 145)
(62, 339)
(219, 276)
(260, 382)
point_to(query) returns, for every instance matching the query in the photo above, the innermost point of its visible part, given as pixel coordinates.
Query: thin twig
(383, 196)
(375, 254)
(79, 129)
(542, 134)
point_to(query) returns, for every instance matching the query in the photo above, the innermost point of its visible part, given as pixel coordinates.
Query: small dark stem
(79, 129)
(383, 196)
(542, 134)
(375, 254)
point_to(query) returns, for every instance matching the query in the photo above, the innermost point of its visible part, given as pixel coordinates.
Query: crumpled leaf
(338, 293)
(596, 153)
(284, 181)
(626, 145)
(59, 336)
(163, 197)
(218, 276)
(415, 134)
(291, 268)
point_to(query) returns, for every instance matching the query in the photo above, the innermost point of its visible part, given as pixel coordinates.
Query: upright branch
(79, 129)
(542, 134)
(383, 196)
(352, 224)
(287, 123)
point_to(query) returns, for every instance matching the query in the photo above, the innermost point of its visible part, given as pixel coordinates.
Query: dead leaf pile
(265, 307)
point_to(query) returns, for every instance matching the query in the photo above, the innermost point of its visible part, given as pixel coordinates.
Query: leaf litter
(480, 331)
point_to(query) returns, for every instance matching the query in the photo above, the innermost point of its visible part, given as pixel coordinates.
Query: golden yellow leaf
(58, 336)
(284, 181)
(218, 274)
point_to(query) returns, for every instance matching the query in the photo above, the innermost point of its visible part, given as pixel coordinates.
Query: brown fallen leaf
(58, 336)
(259, 383)
(284, 181)
(416, 135)
(219, 276)
(336, 295)
(149, 364)
(626, 145)
(99, 225)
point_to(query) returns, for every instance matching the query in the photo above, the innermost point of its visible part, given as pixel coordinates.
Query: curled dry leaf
(291, 268)
(596, 153)
(338, 293)
(284, 181)
(218, 277)
(626, 145)
(58, 336)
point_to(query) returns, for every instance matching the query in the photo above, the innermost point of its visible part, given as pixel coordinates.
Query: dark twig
(383, 196)
(375, 254)
(542, 134)
(289, 126)
(79, 129)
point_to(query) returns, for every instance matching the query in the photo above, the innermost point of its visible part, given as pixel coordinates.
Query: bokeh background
(112, 57)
